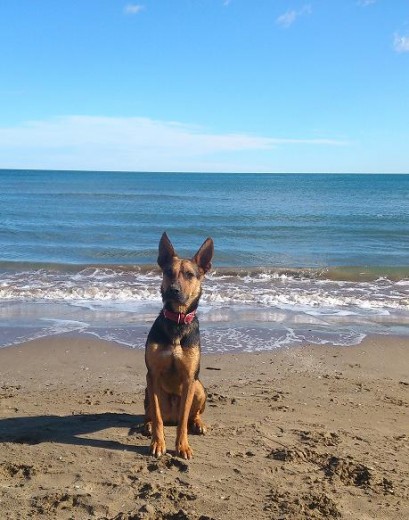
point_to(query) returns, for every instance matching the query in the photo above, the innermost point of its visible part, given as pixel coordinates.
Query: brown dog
(174, 394)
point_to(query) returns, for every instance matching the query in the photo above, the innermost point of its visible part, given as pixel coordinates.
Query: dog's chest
(167, 357)
(172, 352)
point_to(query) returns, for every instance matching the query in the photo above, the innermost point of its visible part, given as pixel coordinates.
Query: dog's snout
(175, 288)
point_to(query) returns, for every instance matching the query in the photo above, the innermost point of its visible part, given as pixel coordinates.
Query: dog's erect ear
(166, 251)
(203, 258)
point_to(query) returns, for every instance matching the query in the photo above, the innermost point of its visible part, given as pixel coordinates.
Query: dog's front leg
(158, 446)
(182, 445)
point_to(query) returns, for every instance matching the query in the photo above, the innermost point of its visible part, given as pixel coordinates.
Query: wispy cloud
(401, 43)
(105, 143)
(289, 17)
(365, 3)
(133, 8)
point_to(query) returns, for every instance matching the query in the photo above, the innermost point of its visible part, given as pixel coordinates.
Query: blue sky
(205, 85)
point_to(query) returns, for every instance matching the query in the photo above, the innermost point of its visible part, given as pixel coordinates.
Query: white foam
(95, 298)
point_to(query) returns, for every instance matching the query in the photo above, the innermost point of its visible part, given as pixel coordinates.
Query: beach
(304, 323)
(212, 162)
(294, 433)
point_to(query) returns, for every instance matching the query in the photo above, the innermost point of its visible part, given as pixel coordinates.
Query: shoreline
(309, 432)
(246, 310)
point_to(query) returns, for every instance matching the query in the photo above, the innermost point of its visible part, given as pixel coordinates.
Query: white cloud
(401, 43)
(133, 8)
(365, 3)
(289, 17)
(107, 143)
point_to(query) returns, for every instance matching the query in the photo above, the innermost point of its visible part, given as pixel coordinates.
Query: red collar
(179, 317)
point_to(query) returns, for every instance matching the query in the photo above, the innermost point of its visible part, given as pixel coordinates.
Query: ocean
(298, 258)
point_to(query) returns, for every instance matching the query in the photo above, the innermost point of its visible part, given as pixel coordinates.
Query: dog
(174, 395)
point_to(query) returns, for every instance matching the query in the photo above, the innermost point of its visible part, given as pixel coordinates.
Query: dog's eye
(189, 275)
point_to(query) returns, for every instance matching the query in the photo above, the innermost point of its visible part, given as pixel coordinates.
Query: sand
(297, 433)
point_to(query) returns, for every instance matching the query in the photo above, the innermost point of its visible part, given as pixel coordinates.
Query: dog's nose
(175, 288)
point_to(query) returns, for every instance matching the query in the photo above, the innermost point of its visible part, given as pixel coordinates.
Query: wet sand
(295, 433)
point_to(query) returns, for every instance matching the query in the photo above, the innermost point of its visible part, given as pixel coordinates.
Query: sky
(205, 85)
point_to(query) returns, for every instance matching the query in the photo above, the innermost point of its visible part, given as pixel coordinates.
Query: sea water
(298, 258)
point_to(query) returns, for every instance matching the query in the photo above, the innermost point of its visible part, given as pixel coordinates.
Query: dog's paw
(184, 450)
(157, 447)
(147, 428)
(197, 427)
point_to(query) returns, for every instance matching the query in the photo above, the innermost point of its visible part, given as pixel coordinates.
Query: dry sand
(297, 433)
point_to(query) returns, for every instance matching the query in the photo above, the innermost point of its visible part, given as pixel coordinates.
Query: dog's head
(182, 278)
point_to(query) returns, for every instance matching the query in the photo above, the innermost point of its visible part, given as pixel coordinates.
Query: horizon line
(186, 172)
